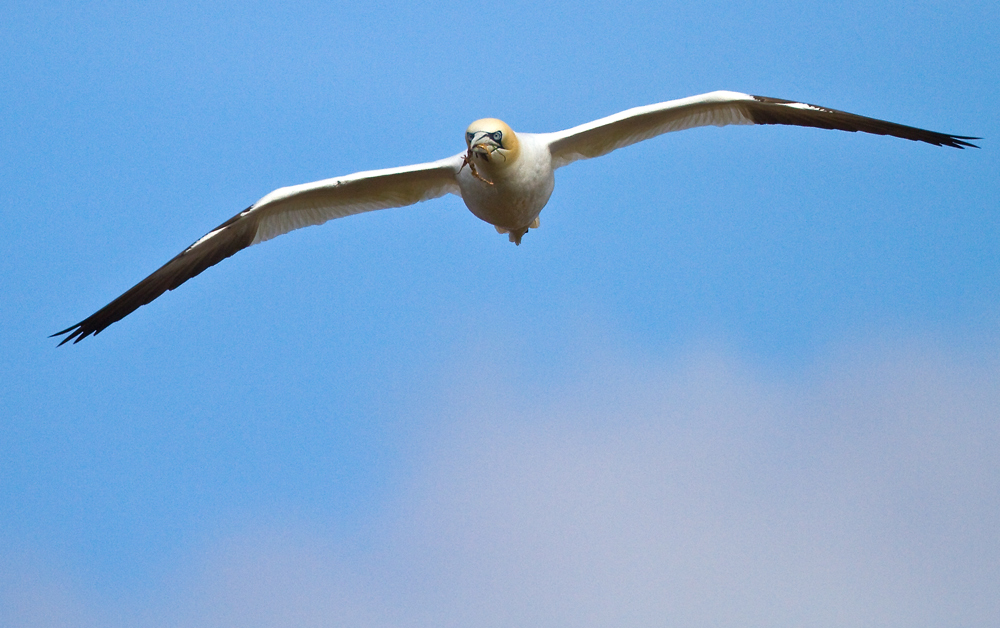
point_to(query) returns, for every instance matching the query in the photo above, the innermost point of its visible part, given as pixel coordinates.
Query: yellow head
(492, 143)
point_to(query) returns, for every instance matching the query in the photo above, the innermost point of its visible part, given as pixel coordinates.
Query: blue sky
(739, 376)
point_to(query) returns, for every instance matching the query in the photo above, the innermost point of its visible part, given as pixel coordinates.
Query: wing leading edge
(281, 211)
(721, 108)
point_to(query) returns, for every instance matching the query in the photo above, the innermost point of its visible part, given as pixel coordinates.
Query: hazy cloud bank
(704, 492)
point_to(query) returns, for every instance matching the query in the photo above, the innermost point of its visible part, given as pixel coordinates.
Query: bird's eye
(496, 136)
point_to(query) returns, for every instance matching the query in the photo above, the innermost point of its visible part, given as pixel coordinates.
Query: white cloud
(865, 491)
(700, 494)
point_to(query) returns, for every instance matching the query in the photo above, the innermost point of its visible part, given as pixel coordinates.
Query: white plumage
(504, 178)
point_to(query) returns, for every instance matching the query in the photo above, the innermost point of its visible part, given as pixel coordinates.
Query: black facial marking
(496, 136)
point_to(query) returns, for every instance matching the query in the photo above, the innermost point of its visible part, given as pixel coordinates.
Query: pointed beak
(482, 145)
(481, 150)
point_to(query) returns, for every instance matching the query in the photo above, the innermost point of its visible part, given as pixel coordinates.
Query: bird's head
(492, 144)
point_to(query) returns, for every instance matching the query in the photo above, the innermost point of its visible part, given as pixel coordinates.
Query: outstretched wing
(719, 109)
(281, 211)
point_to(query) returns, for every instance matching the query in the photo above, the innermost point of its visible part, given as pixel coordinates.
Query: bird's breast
(510, 197)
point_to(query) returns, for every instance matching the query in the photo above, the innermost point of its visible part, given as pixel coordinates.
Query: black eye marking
(496, 136)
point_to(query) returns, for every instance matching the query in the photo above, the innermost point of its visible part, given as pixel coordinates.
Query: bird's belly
(509, 211)
(510, 204)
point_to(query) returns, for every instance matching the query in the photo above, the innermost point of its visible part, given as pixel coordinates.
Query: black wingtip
(961, 143)
(76, 333)
(781, 111)
(232, 236)
(73, 332)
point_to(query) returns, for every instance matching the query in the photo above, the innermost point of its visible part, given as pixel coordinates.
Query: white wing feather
(720, 109)
(602, 136)
(297, 206)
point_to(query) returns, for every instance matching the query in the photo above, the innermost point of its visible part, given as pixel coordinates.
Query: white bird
(504, 178)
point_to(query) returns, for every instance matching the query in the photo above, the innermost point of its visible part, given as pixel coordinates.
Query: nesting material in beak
(484, 148)
(467, 161)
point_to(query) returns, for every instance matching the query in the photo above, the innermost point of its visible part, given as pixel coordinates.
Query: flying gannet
(504, 178)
